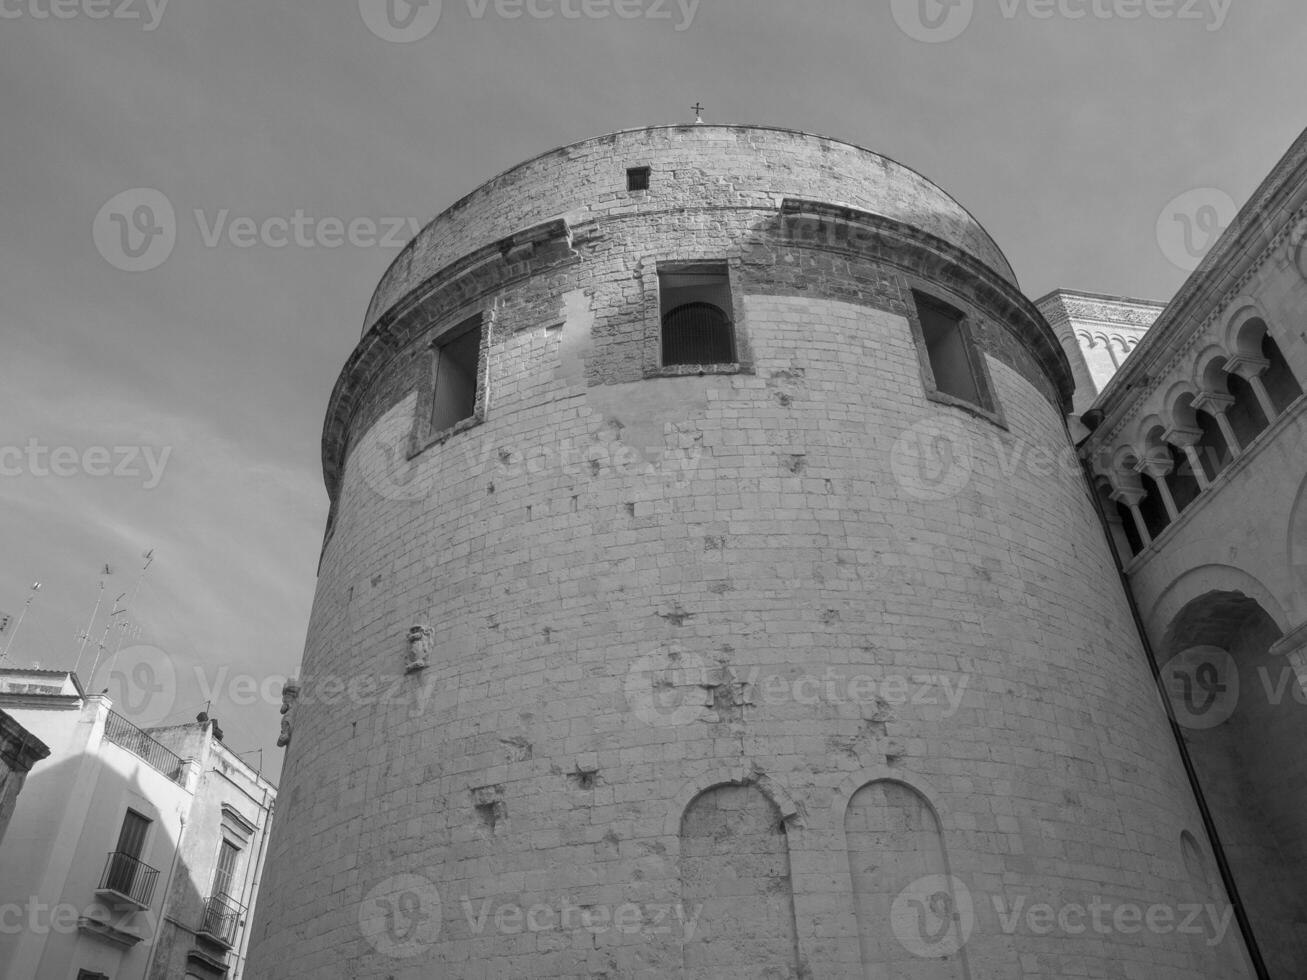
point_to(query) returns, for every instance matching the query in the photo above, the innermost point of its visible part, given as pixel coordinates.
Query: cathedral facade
(732, 574)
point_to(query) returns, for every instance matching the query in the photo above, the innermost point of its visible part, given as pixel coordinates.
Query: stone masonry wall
(796, 579)
(736, 166)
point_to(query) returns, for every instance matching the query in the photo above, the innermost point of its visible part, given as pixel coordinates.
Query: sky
(198, 197)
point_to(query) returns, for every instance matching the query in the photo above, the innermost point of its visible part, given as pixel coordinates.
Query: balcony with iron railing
(120, 731)
(127, 883)
(220, 919)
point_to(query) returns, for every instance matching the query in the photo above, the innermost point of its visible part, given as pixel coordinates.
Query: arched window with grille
(698, 327)
(698, 333)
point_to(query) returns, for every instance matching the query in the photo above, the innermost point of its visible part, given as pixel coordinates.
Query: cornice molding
(1260, 230)
(1185, 326)
(551, 245)
(19, 748)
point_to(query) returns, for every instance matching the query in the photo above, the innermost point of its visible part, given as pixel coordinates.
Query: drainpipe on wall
(252, 888)
(167, 889)
(1209, 823)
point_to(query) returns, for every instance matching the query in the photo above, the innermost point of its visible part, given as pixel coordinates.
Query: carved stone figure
(419, 648)
(290, 693)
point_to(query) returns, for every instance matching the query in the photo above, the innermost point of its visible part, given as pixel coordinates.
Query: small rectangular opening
(697, 318)
(947, 348)
(637, 178)
(457, 368)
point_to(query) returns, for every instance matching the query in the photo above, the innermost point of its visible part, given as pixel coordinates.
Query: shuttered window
(131, 839)
(226, 873)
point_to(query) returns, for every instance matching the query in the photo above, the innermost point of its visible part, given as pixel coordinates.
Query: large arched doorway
(1243, 715)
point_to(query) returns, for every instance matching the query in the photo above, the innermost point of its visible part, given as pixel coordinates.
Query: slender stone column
(1187, 439)
(1131, 496)
(1251, 367)
(1215, 405)
(1159, 465)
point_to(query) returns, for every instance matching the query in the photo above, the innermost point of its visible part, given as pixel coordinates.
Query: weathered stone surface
(765, 588)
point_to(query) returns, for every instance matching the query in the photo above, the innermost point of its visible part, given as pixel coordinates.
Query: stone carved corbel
(290, 693)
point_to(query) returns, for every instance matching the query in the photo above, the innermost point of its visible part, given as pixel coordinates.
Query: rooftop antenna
(36, 587)
(258, 769)
(122, 627)
(85, 635)
(108, 623)
(698, 113)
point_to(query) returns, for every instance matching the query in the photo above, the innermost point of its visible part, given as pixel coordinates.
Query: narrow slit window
(948, 348)
(698, 325)
(637, 178)
(457, 368)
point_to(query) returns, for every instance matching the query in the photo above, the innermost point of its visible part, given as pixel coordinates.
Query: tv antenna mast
(122, 626)
(108, 623)
(85, 635)
(36, 587)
